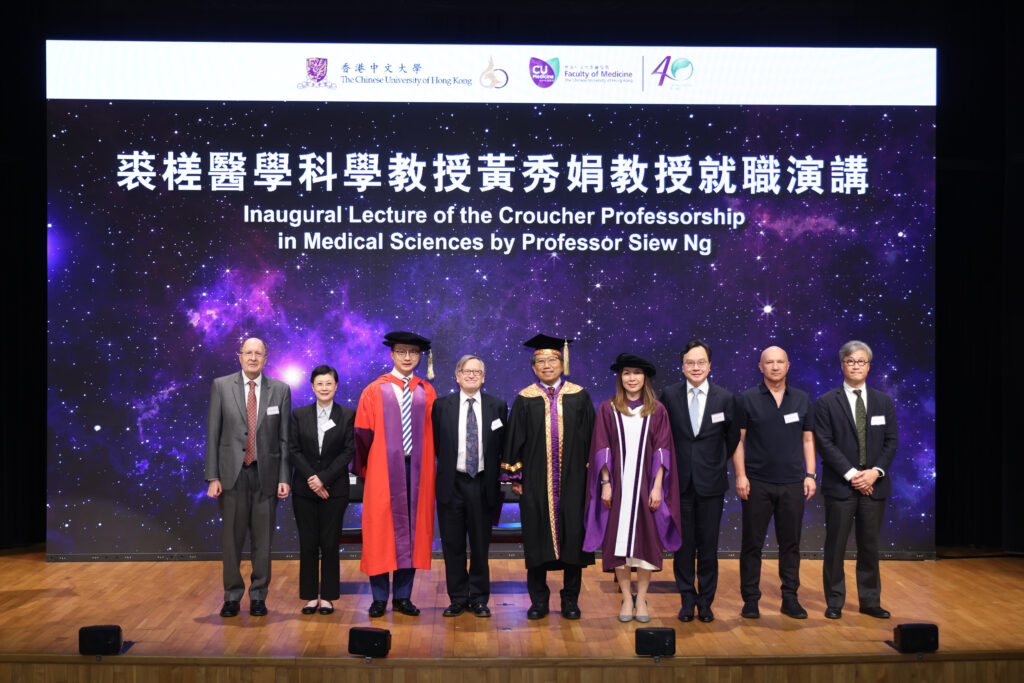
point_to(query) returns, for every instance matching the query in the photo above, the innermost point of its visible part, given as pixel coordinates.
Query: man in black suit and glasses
(705, 436)
(468, 435)
(855, 431)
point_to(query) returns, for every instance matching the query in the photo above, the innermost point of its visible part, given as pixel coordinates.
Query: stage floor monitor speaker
(100, 640)
(916, 637)
(369, 642)
(656, 642)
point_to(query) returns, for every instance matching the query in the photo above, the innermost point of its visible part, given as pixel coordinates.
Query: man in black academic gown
(546, 452)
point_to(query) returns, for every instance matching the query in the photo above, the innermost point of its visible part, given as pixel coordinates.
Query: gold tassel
(430, 365)
(565, 358)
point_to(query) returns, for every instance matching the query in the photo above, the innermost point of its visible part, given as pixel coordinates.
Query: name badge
(328, 425)
(791, 417)
(717, 417)
(878, 419)
(496, 425)
(273, 410)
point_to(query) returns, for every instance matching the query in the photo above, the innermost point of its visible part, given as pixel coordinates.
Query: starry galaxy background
(151, 292)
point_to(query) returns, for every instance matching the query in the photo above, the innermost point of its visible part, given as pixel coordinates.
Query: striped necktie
(407, 419)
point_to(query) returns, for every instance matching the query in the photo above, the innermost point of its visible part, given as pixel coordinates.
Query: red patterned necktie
(250, 409)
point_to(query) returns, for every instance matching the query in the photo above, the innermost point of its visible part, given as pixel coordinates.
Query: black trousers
(786, 503)
(466, 515)
(319, 522)
(864, 514)
(701, 518)
(537, 582)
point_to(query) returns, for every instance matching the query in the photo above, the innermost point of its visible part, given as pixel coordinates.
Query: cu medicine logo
(316, 74)
(544, 74)
(680, 69)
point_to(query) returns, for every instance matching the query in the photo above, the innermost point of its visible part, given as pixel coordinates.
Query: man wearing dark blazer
(468, 437)
(321, 447)
(247, 469)
(855, 431)
(705, 436)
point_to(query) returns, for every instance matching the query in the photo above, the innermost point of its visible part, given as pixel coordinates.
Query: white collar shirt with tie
(245, 390)
(852, 398)
(702, 400)
(463, 410)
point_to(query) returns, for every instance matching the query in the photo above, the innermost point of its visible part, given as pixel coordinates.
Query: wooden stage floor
(169, 610)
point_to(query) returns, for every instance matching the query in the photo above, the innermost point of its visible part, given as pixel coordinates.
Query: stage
(169, 613)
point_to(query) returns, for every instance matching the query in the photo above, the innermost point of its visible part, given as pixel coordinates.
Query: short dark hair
(691, 345)
(323, 370)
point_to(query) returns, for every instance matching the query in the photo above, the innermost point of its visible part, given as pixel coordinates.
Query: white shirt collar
(703, 386)
(396, 373)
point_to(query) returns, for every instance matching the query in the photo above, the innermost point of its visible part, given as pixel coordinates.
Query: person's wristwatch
(810, 475)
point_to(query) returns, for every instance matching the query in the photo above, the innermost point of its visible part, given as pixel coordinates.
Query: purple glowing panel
(176, 230)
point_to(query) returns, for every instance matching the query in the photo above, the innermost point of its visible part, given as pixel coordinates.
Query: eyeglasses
(471, 373)
(544, 362)
(860, 362)
(407, 354)
(254, 354)
(695, 363)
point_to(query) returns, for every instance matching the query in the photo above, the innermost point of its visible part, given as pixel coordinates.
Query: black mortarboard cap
(413, 339)
(628, 360)
(547, 342)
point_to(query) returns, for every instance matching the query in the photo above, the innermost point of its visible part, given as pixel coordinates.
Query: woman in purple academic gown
(632, 503)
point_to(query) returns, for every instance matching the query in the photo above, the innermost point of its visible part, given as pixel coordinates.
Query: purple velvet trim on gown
(556, 469)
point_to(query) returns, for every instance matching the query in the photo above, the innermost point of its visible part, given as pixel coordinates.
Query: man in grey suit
(247, 469)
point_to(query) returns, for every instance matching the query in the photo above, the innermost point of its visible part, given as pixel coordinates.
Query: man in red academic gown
(395, 455)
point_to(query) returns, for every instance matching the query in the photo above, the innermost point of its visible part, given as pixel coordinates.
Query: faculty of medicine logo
(680, 69)
(544, 73)
(316, 72)
(493, 78)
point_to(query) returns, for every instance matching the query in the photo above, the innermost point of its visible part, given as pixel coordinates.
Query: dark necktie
(250, 409)
(861, 414)
(472, 440)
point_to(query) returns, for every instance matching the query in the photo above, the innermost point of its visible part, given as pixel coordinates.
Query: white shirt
(399, 387)
(852, 398)
(323, 416)
(245, 401)
(463, 412)
(702, 399)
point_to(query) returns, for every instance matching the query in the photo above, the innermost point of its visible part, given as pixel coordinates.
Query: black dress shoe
(454, 610)
(750, 610)
(327, 608)
(876, 612)
(229, 608)
(258, 608)
(537, 612)
(309, 609)
(686, 613)
(792, 609)
(834, 613)
(377, 608)
(705, 614)
(570, 610)
(481, 610)
(405, 606)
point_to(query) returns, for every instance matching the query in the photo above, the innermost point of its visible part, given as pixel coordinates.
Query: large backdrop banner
(628, 198)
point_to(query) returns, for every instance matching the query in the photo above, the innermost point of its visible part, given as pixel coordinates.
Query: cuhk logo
(544, 73)
(680, 69)
(316, 68)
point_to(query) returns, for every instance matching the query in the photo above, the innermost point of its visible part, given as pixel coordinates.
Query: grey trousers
(246, 510)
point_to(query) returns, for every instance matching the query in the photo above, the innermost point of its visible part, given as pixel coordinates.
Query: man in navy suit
(855, 431)
(468, 437)
(705, 436)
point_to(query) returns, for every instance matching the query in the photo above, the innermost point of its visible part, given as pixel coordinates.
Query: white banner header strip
(489, 74)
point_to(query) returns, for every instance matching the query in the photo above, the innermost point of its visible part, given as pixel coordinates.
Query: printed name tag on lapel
(717, 417)
(328, 425)
(791, 417)
(877, 420)
(273, 410)
(496, 424)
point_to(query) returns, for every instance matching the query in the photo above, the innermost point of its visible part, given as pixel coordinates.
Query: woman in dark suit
(321, 446)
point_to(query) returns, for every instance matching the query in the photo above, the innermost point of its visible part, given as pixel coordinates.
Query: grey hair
(266, 351)
(468, 357)
(854, 345)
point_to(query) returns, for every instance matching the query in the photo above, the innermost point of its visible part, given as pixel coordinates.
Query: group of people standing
(640, 476)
